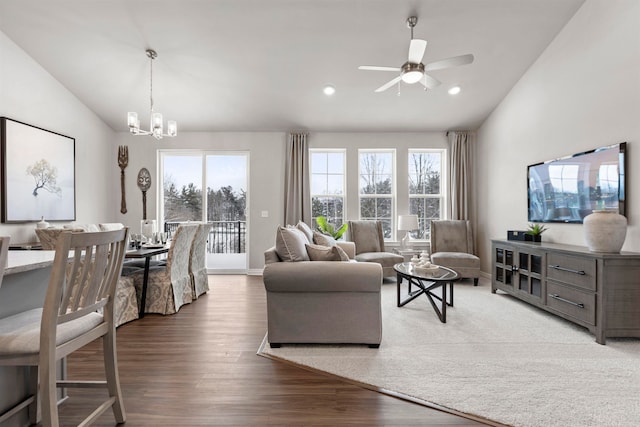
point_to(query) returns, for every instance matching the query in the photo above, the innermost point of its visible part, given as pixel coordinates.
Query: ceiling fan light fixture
(411, 77)
(454, 90)
(412, 73)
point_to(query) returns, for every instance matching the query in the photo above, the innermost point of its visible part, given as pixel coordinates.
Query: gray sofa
(326, 302)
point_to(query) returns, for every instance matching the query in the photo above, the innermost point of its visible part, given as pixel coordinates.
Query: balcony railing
(225, 237)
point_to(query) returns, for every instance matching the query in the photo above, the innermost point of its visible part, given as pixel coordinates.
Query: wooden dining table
(146, 252)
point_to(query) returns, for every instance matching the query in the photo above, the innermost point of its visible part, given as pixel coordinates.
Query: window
(328, 185)
(377, 187)
(426, 189)
(182, 187)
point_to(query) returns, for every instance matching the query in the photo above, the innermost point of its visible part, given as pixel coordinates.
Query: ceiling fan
(414, 70)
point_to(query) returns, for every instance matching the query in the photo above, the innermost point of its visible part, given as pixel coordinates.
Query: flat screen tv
(570, 188)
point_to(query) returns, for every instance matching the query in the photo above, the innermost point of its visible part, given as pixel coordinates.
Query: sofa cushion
(326, 253)
(308, 232)
(290, 244)
(323, 239)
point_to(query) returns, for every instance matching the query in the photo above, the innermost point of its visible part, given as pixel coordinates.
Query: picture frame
(38, 173)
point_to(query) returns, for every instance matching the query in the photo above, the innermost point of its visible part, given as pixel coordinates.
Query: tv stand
(600, 291)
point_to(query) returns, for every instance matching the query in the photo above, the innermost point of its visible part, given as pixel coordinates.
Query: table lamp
(407, 223)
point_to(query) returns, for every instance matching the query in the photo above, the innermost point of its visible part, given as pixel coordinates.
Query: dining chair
(169, 286)
(126, 300)
(78, 309)
(198, 261)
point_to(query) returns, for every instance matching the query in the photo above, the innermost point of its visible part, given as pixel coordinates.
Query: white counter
(25, 260)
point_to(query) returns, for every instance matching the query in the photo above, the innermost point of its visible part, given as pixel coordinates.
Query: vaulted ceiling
(260, 65)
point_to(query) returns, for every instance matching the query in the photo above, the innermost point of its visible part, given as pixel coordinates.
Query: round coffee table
(427, 282)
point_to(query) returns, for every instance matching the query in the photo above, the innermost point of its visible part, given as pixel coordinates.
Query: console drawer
(569, 269)
(573, 302)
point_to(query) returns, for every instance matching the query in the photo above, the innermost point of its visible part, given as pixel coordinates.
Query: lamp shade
(407, 222)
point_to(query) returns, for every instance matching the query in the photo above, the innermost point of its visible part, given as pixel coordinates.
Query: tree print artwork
(45, 176)
(38, 177)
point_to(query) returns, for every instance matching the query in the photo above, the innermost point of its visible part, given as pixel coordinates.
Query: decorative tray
(431, 269)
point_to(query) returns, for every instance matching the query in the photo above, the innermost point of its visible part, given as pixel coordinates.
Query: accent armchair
(452, 246)
(369, 241)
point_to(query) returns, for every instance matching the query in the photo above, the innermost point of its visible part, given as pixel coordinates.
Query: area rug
(496, 358)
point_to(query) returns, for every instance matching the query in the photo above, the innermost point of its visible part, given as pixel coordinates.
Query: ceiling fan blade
(416, 50)
(429, 82)
(376, 68)
(388, 84)
(449, 62)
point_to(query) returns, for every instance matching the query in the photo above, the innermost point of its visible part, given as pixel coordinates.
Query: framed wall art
(38, 173)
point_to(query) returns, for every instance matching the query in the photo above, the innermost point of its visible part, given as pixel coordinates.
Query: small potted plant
(534, 233)
(329, 229)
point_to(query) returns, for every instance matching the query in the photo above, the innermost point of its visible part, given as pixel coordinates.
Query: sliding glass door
(226, 210)
(223, 203)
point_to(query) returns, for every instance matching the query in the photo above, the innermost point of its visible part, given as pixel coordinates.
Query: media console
(600, 291)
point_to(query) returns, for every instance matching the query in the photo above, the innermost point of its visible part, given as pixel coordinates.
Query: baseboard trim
(254, 272)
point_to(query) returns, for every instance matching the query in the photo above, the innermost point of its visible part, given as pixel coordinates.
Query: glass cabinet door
(530, 273)
(504, 266)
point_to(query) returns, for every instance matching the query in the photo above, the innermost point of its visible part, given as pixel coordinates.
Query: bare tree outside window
(376, 188)
(425, 189)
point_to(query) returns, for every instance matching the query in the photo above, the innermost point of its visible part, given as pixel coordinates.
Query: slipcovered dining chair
(126, 300)
(169, 286)
(369, 242)
(4, 252)
(452, 247)
(198, 261)
(78, 309)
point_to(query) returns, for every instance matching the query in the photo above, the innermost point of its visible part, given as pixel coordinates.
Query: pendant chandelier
(155, 126)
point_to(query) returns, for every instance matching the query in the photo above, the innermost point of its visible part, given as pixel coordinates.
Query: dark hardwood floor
(199, 368)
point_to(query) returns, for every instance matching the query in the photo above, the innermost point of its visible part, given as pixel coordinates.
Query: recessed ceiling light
(329, 90)
(454, 90)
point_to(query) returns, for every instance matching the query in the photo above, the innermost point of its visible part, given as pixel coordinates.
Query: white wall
(29, 94)
(582, 93)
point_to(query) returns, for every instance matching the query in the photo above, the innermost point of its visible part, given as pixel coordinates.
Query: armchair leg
(475, 281)
(374, 345)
